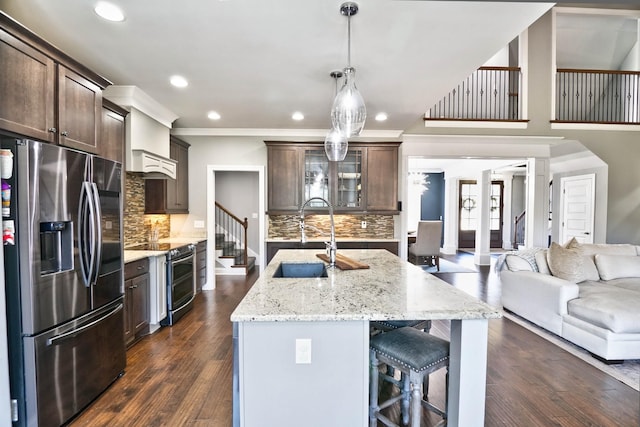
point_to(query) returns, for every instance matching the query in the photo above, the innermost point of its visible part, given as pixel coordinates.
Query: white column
(451, 214)
(537, 205)
(507, 213)
(467, 372)
(483, 235)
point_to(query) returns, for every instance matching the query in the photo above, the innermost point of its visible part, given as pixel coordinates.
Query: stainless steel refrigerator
(62, 234)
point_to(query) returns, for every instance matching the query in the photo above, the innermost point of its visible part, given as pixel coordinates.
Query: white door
(577, 207)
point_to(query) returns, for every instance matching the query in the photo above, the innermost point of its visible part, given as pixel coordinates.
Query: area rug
(447, 267)
(627, 372)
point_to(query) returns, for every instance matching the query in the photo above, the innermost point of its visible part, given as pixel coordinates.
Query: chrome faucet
(331, 246)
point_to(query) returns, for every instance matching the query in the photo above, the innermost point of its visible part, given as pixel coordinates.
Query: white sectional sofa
(588, 294)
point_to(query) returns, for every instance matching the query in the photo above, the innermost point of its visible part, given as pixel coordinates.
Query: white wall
(206, 151)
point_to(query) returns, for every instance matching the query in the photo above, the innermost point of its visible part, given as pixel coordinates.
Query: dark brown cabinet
(136, 300)
(284, 177)
(46, 95)
(112, 136)
(170, 196)
(366, 181)
(79, 111)
(201, 264)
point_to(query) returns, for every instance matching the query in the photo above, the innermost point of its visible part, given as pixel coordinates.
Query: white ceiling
(258, 61)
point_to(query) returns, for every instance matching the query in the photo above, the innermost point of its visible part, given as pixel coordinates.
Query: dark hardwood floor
(181, 375)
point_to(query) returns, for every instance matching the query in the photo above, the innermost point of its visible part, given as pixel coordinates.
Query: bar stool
(379, 326)
(416, 354)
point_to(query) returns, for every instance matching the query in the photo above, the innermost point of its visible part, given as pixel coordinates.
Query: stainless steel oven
(181, 283)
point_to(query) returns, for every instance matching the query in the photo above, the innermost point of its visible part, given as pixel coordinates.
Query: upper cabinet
(170, 196)
(112, 136)
(366, 181)
(46, 95)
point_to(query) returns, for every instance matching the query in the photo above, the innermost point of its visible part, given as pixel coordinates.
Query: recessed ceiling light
(381, 117)
(213, 115)
(109, 11)
(297, 116)
(179, 81)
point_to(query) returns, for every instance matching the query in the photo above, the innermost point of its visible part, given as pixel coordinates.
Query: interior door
(469, 214)
(577, 207)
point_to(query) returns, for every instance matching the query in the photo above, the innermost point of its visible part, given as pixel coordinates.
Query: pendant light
(336, 143)
(348, 112)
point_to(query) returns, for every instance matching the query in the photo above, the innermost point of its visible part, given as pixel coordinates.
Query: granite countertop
(134, 255)
(391, 289)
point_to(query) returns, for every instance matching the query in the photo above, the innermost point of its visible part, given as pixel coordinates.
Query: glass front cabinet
(345, 184)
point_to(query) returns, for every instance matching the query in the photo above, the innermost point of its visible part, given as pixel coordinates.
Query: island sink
(301, 270)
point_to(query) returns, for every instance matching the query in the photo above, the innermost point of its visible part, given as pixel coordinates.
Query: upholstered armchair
(427, 245)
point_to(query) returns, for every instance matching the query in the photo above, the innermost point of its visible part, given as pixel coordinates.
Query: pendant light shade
(348, 112)
(336, 145)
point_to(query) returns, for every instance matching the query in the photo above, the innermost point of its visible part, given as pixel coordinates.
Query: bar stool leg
(416, 398)
(406, 396)
(374, 376)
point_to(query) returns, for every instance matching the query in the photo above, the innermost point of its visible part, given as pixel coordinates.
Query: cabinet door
(27, 88)
(178, 189)
(128, 298)
(79, 111)
(349, 176)
(284, 175)
(316, 176)
(140, 303)
(112, 142)
(382, 179)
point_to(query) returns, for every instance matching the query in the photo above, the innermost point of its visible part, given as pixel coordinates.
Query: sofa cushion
(517, 263)
(591, 249)
(608, 307)
(571, 264)
(617, 266)
(541, 261)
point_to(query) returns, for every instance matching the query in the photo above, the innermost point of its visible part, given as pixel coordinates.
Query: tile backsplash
(137, 225)
(347, 226)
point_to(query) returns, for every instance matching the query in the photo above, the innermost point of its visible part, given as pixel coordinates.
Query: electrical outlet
(198, 224)
(303, 351)
(363, 224)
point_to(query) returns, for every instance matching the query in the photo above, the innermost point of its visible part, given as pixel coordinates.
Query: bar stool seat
(390, 325)
(414, 353)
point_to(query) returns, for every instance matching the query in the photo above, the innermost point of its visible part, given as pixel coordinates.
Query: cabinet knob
(53, 130)
(64, 133)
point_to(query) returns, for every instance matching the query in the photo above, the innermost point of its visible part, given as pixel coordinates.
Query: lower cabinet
(136, 300)
(273, 247)
(201, 265)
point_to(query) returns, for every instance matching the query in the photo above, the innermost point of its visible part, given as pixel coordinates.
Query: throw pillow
(570, 264)
(541, 261)
(617, 266)
(603, 248)
(516, 263)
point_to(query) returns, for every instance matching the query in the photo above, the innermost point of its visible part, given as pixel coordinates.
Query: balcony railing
(489, 94)
(596, 96)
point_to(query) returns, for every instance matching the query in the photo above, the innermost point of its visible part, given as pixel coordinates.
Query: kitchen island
(301, 344)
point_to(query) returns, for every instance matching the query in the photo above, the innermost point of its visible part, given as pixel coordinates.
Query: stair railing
(518, 229)
(234, 229)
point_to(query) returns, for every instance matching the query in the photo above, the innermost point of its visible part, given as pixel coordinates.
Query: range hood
(147, 127)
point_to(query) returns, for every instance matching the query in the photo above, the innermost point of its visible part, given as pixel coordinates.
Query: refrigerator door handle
(73, 333)
(97, 224)
(86, 233)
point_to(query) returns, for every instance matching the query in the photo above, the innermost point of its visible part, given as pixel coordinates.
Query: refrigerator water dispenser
(56, 247)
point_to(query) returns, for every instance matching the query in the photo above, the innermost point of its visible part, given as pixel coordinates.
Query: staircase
(232, 254)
